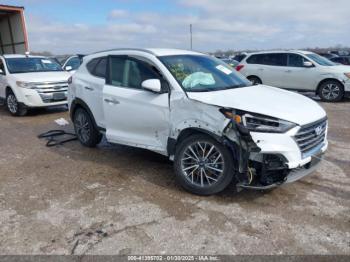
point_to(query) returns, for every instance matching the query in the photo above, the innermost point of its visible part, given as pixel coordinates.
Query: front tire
(331, 91)
(203, 166)
(15, 108)
(85, 130)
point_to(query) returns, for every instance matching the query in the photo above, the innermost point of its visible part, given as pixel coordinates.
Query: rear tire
(331, 91)
(255, 80)
(15, 108)
(85, 129)
(203, 166)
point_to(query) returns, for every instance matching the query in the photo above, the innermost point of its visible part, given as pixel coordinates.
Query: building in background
(13, 33)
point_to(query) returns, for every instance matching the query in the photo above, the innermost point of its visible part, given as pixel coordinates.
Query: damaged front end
(254, 169)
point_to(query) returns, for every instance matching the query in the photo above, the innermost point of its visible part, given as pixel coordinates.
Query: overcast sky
(85, 26)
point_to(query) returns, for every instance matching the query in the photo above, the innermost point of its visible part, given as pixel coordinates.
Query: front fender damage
(252, 168)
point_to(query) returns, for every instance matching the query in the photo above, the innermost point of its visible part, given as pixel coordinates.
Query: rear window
(98, 67)
(92, 64)
(101, 68)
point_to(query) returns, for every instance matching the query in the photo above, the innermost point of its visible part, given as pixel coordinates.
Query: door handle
(288, 71)
(261, 69)
(89, 88)
(112, 101)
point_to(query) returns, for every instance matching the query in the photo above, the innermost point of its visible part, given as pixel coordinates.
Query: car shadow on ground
(128, 163)
(37, 111)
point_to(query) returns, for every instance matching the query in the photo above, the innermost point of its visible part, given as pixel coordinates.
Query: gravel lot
(120, 200)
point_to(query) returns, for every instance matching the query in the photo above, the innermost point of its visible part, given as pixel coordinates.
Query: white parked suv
(298, 70)
(210, 120)
(31, 81)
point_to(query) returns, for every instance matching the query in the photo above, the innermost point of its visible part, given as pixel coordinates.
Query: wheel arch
(79, 103)
(325, 80)
(255, 77)
(173, 142)
(9, 89)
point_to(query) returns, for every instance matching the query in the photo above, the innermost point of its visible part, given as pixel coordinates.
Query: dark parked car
(240, 57)
(328, 55)
(345, 60)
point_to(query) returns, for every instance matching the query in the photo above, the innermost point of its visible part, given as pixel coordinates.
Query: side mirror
(68, 68)
(2, 72)
(153, 85)
(308, 64)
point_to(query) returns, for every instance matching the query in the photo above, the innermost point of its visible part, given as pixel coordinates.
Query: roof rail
(126, 49)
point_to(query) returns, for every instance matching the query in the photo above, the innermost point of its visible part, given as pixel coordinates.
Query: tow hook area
(264, 172)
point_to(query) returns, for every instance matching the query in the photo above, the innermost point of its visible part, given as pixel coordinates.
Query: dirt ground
(120, 200)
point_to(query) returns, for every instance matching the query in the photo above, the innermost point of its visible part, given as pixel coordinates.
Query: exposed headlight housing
(259, 123)
(347, 75)
(24, 84)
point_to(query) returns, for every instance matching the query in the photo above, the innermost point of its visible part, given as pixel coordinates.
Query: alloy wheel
(331, 91)
(12, 103)
(202, 164)
(82, 127)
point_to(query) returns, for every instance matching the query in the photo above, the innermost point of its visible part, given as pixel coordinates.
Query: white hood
(43, 76)
(338, 69)
(265, 100)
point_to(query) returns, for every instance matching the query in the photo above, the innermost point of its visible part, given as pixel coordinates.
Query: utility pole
(191, 35)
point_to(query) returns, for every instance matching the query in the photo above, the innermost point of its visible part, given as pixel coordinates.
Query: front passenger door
(134, 116)
(298, 77)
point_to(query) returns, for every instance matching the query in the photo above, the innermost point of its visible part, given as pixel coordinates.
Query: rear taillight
(239, 67)
(69, 80)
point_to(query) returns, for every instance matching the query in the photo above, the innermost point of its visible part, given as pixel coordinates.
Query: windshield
(320, 60)
(199, 73)
(32, 64)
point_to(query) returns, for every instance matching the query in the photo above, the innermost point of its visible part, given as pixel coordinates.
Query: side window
(295, 60)
(130, 72)
(101, 68)
(275, 59)
(254, 59)
(74, 62)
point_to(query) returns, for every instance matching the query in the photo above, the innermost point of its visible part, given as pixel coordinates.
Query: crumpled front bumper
(286, 146)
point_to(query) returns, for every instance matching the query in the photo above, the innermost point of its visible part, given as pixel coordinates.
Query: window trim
(136, 59)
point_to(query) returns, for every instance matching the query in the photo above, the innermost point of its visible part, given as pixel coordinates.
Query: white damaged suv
(202, 114)
(28, 81)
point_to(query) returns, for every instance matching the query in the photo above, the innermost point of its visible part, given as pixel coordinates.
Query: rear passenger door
(135, 116)
(274, 68)
(92, 88)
